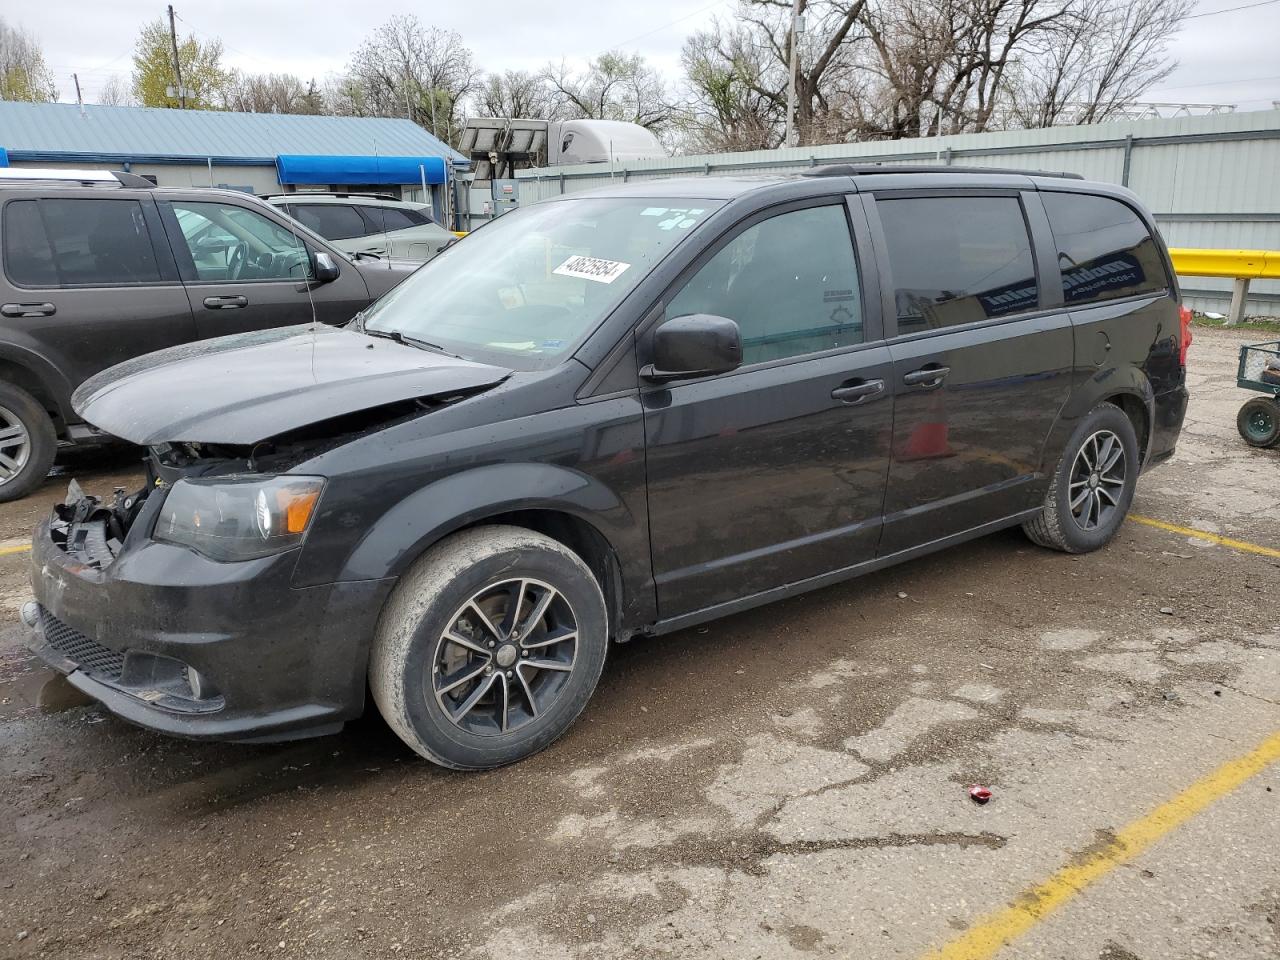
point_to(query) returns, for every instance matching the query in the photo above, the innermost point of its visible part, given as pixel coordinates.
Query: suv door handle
(856, 392)
(930, 376)
(28, 309)
(225, 303)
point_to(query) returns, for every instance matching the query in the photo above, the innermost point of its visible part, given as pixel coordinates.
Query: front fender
(462, 499)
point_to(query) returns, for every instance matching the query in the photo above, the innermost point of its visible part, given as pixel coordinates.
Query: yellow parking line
(991, 933)
(1205, 535)
(9, 551)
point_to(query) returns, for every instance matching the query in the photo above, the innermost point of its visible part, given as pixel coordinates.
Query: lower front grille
(88, 654)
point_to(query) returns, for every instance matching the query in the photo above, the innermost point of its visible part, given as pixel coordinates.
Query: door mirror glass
(325, 270)
(694, 346)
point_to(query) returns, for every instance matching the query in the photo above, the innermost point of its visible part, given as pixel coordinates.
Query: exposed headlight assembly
(239, 518)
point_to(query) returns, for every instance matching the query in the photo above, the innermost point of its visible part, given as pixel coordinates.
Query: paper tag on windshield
(591, 268)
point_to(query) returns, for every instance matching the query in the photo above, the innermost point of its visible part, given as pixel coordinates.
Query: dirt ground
(788, 783)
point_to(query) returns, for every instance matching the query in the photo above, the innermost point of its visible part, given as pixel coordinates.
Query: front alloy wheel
(489, 647)
(505, 657)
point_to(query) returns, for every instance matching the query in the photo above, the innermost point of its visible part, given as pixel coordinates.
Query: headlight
(239, 518)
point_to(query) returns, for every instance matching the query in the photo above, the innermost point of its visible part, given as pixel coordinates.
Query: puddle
(28, 687)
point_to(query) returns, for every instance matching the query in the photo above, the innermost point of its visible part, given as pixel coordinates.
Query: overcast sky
(1226, 58)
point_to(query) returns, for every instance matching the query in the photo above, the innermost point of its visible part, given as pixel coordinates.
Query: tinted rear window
(958, 260)
(86, 242)
(392, 218)
(1104, 250)
(331, 221)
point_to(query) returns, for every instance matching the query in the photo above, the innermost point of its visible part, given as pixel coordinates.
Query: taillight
(1184, 315)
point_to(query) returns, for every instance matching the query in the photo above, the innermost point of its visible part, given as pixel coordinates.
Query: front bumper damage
(179, 643)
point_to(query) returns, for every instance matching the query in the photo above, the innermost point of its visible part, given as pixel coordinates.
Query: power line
(1214, 13)
(689, 16)
(1216, 83)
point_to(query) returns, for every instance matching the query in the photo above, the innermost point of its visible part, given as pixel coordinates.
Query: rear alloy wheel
(489, 647)
(1091, 488)
(28, 443)
(1259, 422)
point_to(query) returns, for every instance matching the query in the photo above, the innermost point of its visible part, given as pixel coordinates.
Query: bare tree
(615, 86)
(270, 93)
(407, 69)
(731, 99)
(515, 93)
(24, 75)
(115, 92)
(1096, 61)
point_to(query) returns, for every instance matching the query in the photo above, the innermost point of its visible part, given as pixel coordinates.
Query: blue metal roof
(62, 132)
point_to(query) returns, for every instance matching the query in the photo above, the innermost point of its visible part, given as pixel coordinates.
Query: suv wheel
(1259, 422)
(1092, 486)
(28, 443)
(489, 647)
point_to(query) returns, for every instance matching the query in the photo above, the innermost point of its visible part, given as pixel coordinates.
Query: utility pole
(79, 99)
(177, 67)
(797, 26)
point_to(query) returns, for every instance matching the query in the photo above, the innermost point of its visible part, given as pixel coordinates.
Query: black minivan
(609, 415)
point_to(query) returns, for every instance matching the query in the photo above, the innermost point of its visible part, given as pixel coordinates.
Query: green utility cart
(1259, 419)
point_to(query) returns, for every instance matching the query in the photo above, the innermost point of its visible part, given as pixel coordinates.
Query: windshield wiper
(366, 253)
(408, 341)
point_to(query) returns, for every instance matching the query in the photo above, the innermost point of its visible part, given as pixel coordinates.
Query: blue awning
(335, 170)
(4, 157)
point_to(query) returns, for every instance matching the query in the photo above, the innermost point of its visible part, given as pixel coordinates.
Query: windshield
(525, 290)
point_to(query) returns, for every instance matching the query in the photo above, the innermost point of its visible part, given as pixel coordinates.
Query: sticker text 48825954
(591, 268)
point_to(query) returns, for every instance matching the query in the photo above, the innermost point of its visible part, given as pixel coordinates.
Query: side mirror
(697, 345)
(323, 267)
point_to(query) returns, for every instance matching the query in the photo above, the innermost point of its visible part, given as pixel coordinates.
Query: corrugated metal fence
(1210, 181)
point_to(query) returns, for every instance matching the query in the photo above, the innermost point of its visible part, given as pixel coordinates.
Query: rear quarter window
(1104, 249)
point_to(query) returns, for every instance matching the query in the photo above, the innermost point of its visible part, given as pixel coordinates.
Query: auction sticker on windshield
(591, 268)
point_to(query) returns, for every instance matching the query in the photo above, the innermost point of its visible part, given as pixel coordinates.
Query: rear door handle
(930, 376)
(857, 392)
(28, 309)
(225, 303)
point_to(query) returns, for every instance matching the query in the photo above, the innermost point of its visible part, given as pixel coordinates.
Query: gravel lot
(788, 783)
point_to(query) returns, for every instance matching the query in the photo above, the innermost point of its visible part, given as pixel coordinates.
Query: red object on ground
(979, 794)
(927, 441)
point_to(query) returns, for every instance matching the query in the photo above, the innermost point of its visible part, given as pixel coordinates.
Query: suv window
(957, 260)
(228, 242)
(331, 220)
(1104, 250)
(78, 242)
(790, 283)
(392, 218)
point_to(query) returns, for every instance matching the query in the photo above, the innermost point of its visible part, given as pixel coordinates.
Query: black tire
(1093, 522)
(412, 665)
(25, 464)
(1259, 422)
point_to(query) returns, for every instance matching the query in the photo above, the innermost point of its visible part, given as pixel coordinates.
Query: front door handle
(930, 376)
(857, 392)
(225, 303)
(28, 309)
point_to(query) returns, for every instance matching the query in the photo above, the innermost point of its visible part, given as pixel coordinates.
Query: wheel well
(1136, 411)
(584, 540)
(21, 376)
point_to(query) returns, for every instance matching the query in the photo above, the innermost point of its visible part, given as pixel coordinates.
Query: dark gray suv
(100, 267)
(605, 416)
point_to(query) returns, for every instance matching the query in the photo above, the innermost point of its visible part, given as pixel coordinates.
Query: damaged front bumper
(189, 646)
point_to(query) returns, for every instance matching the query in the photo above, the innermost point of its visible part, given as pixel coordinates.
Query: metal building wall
(1210, 181)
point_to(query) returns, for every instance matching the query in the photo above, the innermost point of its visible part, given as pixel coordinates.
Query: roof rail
(115, 178)
(301, 195)
(864, 169)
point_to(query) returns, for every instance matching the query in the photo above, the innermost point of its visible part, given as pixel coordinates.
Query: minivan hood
(248, 387)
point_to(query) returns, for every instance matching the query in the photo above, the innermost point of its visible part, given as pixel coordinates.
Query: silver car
(368, 223)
